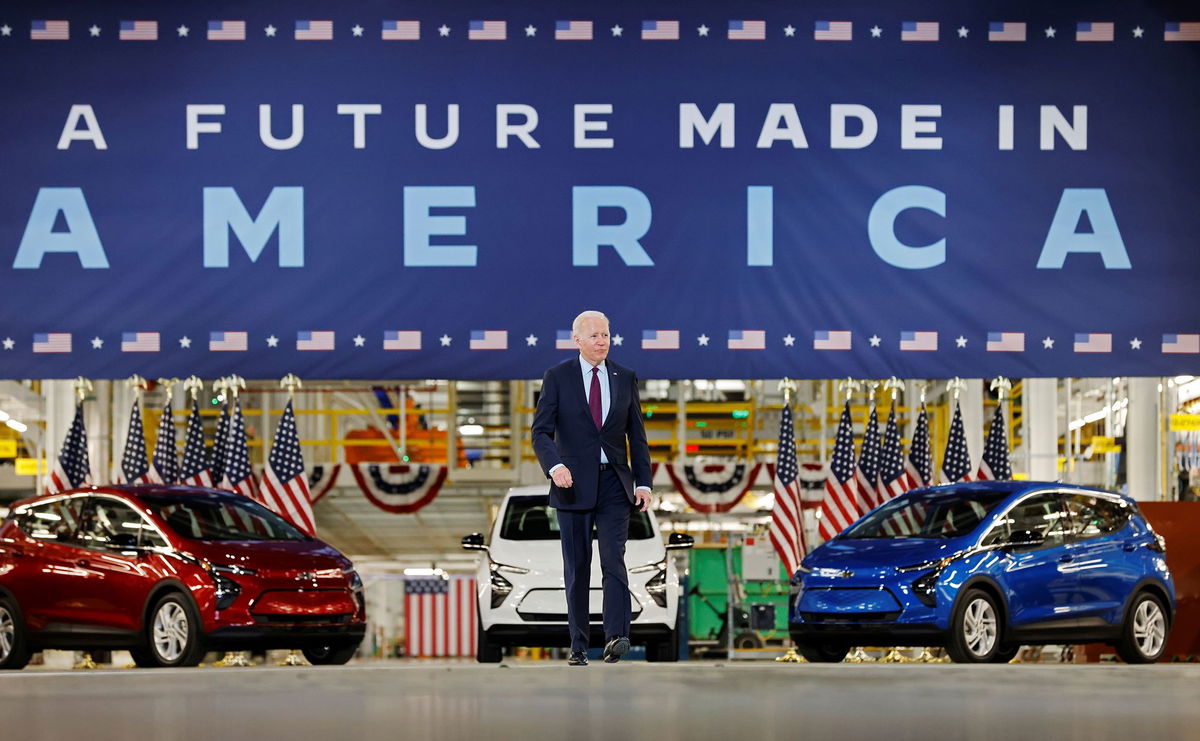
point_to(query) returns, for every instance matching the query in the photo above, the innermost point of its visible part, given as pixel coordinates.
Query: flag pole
(231, 384)
(291, 382)
(893, 655)
(859, 655)
(787, 386)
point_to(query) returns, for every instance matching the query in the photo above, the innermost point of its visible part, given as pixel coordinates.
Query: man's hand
(642, 499)
(562, 477)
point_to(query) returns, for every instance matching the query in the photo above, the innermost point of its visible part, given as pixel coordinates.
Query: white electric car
(521, 594)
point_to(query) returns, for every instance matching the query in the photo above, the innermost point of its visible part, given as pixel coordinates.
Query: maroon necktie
(594, 399)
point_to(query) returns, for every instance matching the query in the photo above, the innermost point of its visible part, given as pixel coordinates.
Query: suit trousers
(611, 521)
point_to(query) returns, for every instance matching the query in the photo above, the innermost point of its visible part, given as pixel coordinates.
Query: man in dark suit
(587, 413)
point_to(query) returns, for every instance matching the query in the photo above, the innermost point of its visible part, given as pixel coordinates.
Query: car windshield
(532, 518)
(220, 517)
(932, 514)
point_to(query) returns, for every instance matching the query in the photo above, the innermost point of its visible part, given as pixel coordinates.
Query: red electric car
(169, 573)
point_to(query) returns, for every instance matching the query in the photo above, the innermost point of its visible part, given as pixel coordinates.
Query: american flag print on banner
(195, 470)
(401, 31)
(52, 342)
(831, 340)
(1093, 342)
(227, 341)
(956, 461)
(833, 31)
(660, 339)
(314, 30)
(565, 340)
(660, 30)
(139, 342)
(237, 475)
(1181, 32)
(867, 472)
(72, 468)
(998, 31)
(284, 483)
(439, 617)
(787, 518)
(919, 466)
(316, 340)
(487, 30)
(919, 341)
(50, 30)
(1181, 343)
(164, 468)
(134, 467)
(747, 31)
(747, 339)
(489, 339)
(995, 463)
(138, 31)
(226, 30)
(839, 508)
(402, 339)
(1006, 342)
(1087, 31)
(919, 31)
(573, 31)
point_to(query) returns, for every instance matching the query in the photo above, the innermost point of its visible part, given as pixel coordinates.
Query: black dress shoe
(578, 658)
(615, 649)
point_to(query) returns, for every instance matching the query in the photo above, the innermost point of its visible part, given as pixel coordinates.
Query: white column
(971, 402)
(1039, 410)
(60, 410)
(1141, 439)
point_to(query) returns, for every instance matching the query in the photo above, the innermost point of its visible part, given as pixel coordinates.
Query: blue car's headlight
(925, 587)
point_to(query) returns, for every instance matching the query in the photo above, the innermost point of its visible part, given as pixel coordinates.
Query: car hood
(546, 555)
(882, 552)
(275, 555)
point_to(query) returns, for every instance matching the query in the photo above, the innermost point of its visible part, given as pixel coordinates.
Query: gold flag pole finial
(787, 386)
(922, 386)
(234, 384)
(956, 386)
(193, 386)
(848, 386)
(83, 387)
(169, 384)
(893, 385)
(1002, 386)
(291, 382)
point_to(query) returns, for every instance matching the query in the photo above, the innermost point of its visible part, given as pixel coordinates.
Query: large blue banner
(425, 189)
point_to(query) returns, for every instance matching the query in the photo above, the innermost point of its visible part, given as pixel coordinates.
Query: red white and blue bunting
(713, 487)
(399, 488)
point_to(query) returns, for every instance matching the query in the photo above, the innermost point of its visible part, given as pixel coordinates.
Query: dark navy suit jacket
(563, 432)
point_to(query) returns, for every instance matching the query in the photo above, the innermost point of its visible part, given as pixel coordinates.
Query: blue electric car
(982, 568)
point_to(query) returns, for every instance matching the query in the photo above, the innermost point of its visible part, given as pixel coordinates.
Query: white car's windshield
(532, 518)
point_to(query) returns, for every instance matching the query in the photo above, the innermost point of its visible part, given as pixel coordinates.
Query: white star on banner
(185, 342)
(94, 30)
(1138, 31)
(789, 30)
(531, 30)
(874, 340)
(876, 32)
(97, 343)
(531, 340)
(703, 340)
(6, 30)
(359, 340)
(8, 343)
(443, 30)
(1135, 343)
(702, 30)
(789, 340)
(445, 339)
(1048, 343)
(617, 340)
(182, 31)
(272, 341)
(616, 30)
(962, 32)
(356, 30)
(1051, 31)
(270, 30)
(961, 341)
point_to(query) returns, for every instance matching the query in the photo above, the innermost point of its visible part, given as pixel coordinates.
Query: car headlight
(501, 587)
(925, 586)
(228, 590)
(356, 586)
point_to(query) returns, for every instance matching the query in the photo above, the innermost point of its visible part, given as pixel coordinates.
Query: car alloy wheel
(979, 627)
(172, 635)
(1149, 628)
(8, 634)
(14, 650)
(975, 628)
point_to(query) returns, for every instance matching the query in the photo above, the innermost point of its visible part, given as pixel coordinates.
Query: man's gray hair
(589, 314)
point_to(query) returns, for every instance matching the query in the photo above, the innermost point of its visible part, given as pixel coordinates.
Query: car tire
(332, 655)
(666, 649)
(1006, 654)
(487, 652)
(975, 629)
(172, 634)
(822, 653)
(14, 645)
(1144, 632)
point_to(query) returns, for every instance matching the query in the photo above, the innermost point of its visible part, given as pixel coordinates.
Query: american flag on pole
(165, 466)
(195, 471)
(892, 481)
(439, 616)
(995, 464)
(134, 467)
(787, 519)
(839, 508)
(220, 446)
(919, 466)
(868, 464)
(401, 31)
(956, 462)
(237, 475)
(138, 31)
(72, 468)
(284, 483)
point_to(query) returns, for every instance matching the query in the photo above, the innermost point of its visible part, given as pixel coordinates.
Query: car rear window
(532, 518)
(220, 517)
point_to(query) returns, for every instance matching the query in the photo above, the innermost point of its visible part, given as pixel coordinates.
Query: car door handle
(1066, 558)
(1129, 547)
(82, 562)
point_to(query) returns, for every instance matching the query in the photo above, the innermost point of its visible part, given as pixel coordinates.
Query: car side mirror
(680, 541)
(1025, 539)
(473, 542)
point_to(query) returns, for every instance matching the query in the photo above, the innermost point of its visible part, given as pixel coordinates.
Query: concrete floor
(527, 702)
